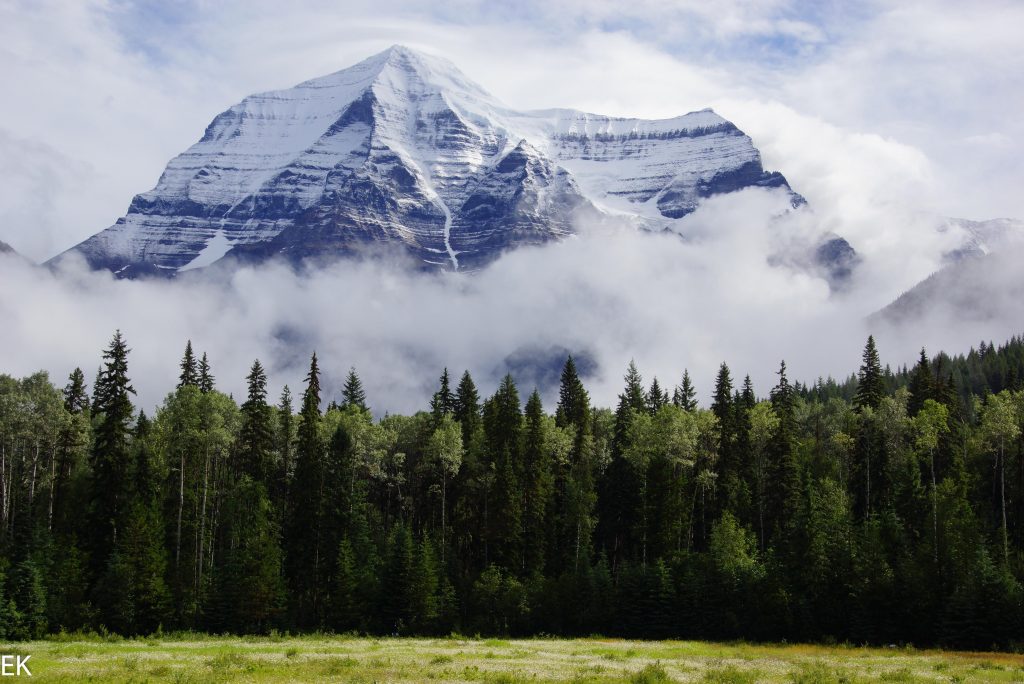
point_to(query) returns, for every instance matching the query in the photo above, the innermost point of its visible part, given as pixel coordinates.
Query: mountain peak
(399, 68)
(403, 148)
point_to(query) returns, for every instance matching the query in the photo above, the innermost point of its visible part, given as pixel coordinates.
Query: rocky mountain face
(402, 149)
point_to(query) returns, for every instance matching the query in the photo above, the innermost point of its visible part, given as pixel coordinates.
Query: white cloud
(872, 117)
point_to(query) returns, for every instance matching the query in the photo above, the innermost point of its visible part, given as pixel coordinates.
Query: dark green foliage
(870, 381)
(111, 453)
(466, 407)
(922, 385)
(206, 380)
(685, 396)
(503, 426)
(619, 488)
(352, 394)
(248, 594)
(305, 552)
(537, 488)
(189, 369)
(256, 437)
(573, 478)
(443, 402)
(132, 594)
(284, 442)
(656, 397)
(76, 400)
(889, 509)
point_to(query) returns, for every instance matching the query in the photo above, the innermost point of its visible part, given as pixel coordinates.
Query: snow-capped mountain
(404, 149)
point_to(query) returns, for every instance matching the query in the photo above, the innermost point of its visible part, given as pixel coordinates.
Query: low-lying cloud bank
(609, 295)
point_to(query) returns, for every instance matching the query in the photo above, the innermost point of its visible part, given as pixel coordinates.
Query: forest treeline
(886, 509)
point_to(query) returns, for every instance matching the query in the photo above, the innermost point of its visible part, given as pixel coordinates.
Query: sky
(883, 115)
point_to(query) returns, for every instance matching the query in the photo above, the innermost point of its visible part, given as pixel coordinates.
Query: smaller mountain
(979, 281)
(6, 249)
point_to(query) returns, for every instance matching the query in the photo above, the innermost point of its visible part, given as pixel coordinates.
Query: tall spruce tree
(111, 461)
(284, 441)
(921, 386)
(443, 402)
(537, 488)
(730, 466)
(503, 425)
(256, 435)
(685, 396)
(870, 379)
(573, 481)
(656, 397)
(619, 488)
(72, 445)
(573, 401)
(132, 594)
(466, 406)
(747, 396)
(784, 489)
(304, 552)
(352, 394)
(206, 379)
(189, 369)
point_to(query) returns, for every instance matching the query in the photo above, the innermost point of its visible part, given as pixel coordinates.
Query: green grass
(188, 657)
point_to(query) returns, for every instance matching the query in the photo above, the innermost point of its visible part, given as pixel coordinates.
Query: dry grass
(196, 658)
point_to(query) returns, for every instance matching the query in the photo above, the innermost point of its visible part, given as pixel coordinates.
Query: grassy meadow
(196, 658)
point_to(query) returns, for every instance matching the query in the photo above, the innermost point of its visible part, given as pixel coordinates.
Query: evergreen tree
(503, 422)
(248, 586)
(573, 401)
(397, 601)
(304, 553)
(111, 453)
(346, 614)
(285, 443)
(656, 397)
(537, 488)
(784, 488)
(256, 436)
(352, 394)
(189, 369)
(76, 399)
(870, 380)
(922, 385)
(574, 479)
(73, 442)
(685, 396)
(747, 397)
(619, 492)
(466, 406)
(730, 456)
(206, 379)
(721, 404)
(443, 401)
(632, 400)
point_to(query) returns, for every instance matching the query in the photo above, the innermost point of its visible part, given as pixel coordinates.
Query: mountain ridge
(403, 149)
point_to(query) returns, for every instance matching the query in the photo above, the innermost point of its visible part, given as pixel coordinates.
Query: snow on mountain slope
(403, 149)
(978, 281)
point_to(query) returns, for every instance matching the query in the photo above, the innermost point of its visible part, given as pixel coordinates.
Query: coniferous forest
(888, 508)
